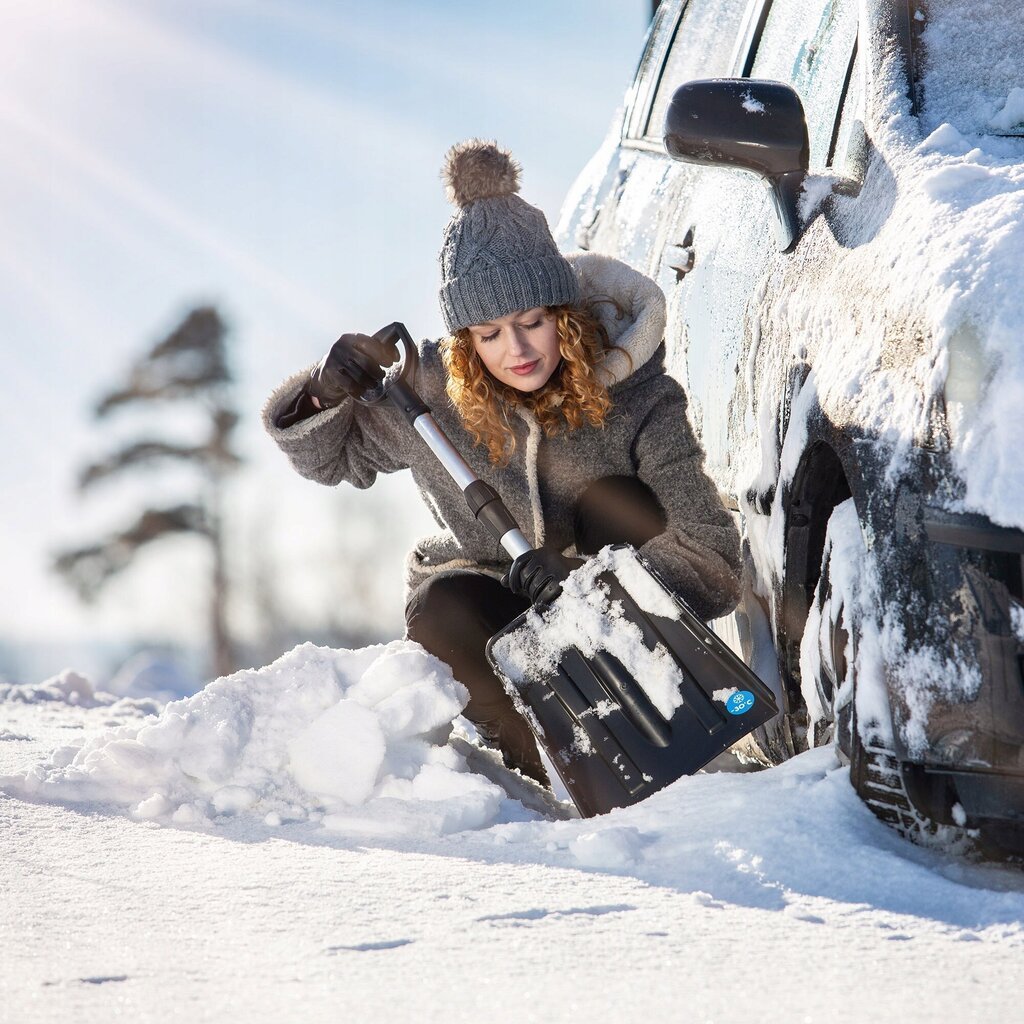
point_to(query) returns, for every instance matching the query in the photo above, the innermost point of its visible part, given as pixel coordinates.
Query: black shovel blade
(598, 723)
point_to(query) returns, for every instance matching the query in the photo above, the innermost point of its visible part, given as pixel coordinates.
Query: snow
(815, 190)
(585, 617)
(609, 848)
(921, 348)
(349, 739)
(323, 837)
(1017, 620)
(717, 886)
(971, 78)
(637, 580)
(751, 105)
(68, 687)
(1011, 116)
(966, 205)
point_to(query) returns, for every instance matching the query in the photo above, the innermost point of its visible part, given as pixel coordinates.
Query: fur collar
(641, 331)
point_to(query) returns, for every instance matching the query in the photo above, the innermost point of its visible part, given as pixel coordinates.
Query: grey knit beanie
(498, 256)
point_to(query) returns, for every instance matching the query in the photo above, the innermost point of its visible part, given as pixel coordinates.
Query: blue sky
(280, 159)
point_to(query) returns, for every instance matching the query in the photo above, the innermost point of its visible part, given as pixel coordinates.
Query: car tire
(876, 774)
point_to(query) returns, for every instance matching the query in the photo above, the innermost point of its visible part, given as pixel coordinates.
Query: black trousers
(455, 613)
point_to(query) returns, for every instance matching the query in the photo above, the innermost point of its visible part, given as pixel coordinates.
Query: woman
(553, 387)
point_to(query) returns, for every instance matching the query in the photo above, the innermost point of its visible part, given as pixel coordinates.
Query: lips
(524, 369)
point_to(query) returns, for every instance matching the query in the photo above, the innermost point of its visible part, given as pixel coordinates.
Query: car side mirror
(749, 123)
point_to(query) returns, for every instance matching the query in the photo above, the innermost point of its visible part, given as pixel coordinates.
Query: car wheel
(828, 662)
(877, 776)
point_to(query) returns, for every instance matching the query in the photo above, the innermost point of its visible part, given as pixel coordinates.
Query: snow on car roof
(970, 69)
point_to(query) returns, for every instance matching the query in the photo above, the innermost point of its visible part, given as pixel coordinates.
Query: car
(831, 195)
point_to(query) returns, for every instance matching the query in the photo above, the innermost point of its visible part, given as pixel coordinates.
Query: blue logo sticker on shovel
(740, 703)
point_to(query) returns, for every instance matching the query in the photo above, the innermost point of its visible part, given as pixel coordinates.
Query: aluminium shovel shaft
(455, 465)
(482, 499)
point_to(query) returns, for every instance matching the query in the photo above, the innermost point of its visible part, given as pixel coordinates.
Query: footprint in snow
(96, 979)
(368, 947)
(517, 917)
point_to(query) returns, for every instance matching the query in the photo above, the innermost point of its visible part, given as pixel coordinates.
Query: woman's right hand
(354, 364)
(538, 575)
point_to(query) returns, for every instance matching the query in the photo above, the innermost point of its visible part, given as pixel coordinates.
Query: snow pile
(67, 687)
(586, 617)
(975, 202)
(355, 740)
(755, 871)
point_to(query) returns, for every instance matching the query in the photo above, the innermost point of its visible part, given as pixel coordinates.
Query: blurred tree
(191, 365)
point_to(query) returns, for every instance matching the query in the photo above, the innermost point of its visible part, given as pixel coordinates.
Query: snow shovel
(624, 687)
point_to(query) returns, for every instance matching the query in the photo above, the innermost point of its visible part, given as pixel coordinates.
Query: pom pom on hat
(497, 255)
(476, 169)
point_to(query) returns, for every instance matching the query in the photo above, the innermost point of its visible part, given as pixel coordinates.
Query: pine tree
(189, 365)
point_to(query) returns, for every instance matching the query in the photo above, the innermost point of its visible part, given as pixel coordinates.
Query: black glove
(354, 365)
(538, 574)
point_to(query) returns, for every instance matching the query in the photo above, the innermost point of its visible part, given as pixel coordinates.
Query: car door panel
(716, 309)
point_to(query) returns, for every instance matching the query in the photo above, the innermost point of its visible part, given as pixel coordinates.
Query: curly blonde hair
(572, 396)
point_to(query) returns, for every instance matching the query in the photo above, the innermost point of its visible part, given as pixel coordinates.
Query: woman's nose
(517, 341)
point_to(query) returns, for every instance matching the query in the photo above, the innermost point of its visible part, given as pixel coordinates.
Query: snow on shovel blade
(624, 687)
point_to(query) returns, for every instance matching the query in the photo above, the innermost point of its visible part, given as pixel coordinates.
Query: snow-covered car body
(858, 383)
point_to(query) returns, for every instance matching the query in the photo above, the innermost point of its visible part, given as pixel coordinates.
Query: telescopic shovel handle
(483, 500)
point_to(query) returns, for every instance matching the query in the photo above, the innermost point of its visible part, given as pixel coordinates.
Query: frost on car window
(702, 48)
(808, 44)
(650, 62)
(970, 69)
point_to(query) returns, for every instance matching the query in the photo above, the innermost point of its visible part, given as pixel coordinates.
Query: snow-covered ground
(425, 893)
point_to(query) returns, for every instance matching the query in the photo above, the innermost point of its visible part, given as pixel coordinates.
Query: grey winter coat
(646, 435)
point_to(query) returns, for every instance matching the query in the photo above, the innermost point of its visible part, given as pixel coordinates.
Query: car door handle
(681, 257)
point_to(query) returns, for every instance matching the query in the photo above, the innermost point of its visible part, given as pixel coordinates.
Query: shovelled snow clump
(355, 739)
(586, 617)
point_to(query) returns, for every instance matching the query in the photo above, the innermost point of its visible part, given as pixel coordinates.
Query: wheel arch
(824, 478)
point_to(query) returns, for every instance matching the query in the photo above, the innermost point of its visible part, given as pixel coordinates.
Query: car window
(808, 43)
(658, 37)
(702, 47)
